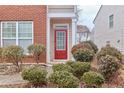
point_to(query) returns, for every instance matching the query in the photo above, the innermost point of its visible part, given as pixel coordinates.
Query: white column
(48, 40)
(73, 31)
(17, 41)
(1, 36)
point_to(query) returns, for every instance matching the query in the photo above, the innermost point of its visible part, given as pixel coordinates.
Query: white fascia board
(61, 14)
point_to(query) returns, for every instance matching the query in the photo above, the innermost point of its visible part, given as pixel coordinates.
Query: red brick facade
(35, 13)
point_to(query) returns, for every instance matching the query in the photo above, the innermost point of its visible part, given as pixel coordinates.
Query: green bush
(108, 66)
(13, 54)
(35, 75)
(64, 79)
(108, 50)
(36, 50)
(1, 50)
(69, 63)
(61, 67)
(94, 47)
(79, 68)
(93, 79)
(83, 55)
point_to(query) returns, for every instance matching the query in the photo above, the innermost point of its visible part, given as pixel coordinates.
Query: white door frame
(54, 27)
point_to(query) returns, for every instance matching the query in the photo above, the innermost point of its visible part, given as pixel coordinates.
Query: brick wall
(35, 13)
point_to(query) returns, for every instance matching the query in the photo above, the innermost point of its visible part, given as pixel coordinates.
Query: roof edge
(97, 13)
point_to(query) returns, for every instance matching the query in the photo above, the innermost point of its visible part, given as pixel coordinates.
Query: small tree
(36, 50)
(13, 54)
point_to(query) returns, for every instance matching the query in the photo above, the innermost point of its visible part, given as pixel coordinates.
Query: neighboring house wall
(35, 13)
(103, 33)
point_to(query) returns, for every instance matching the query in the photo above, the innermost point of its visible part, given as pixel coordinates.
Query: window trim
(17, 38)
(111, 21)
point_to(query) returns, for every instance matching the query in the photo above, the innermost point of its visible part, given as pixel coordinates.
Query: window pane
(25, 30)
(111, 21)
(7, 42)
(60, 39)
(9, 30)
(24, 43)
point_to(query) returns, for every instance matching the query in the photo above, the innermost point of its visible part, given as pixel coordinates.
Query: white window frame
(17, 39)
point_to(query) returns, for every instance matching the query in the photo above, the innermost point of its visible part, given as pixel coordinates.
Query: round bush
(64, 79)
(1, 50)
(83, 55)
(79, 68)
(93, 79)
(108, 66)
(108, 50)
(69, 63)
(35, 75)
(61, 67)
(81, 46)
(94, 47)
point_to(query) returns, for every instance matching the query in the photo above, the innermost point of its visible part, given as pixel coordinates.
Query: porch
(61, 34)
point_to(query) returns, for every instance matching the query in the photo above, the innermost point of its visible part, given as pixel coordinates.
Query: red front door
(60, 44)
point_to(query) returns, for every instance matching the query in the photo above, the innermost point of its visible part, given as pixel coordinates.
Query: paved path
(11, 79)
(16, 78)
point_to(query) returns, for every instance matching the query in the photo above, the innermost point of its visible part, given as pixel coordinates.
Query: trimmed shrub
(83, 55)
(13, 54)
(36, 76)
(108, 50)
(92, 44)
(108, 66)
(1, 50)
(36, 50)
(64, 79)
(81, 46)
(79, 68)
(69, 63)
(93, 79)
(61, 67)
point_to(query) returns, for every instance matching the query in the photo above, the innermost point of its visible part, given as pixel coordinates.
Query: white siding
(103, 33)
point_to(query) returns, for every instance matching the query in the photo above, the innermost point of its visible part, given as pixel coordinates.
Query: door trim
(68, 56)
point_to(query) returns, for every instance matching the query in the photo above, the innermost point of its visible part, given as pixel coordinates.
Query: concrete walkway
(11, 79)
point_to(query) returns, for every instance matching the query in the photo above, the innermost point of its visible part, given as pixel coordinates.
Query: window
(18, 33)
(111, 21)
(8, 33)
(60, 39)
(25, 34)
